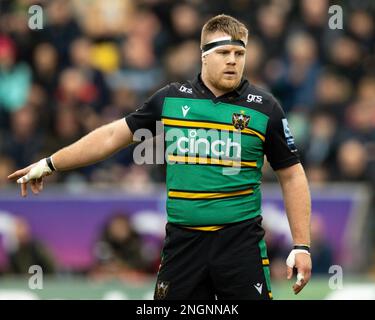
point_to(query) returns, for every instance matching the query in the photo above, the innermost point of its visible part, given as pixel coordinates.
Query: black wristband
(302, 247)
(50, 164)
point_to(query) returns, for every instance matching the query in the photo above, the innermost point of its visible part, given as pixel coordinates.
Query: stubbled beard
(225, 85)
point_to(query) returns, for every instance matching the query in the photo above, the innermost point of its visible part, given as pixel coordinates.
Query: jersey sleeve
(279, 147)
(149, 113)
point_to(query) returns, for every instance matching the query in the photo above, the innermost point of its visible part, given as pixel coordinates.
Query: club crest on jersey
(240, 121)
(161, 290)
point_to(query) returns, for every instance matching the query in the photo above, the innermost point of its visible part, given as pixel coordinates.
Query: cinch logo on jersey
(212, 143)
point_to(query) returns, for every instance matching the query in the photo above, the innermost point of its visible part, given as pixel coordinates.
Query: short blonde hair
(224, 23)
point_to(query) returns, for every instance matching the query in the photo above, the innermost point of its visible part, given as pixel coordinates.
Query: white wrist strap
(291, 262)
(38, 171)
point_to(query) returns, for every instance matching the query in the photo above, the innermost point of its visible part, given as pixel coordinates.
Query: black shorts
(230, 263)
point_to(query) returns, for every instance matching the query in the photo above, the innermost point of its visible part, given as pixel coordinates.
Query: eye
(240, 53)
(223, 52)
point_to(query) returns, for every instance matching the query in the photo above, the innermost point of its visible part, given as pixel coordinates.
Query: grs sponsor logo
(185, 90)
(254, 98)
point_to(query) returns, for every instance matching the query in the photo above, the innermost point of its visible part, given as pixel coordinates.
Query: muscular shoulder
(260, 99)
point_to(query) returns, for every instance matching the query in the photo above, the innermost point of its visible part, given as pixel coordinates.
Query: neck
(217, 92)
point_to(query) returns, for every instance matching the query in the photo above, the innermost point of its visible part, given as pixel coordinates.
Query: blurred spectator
(67, 128)
(140, 71)
(74, 89)
(119, 251)
(100, 20)
(61, 28)
(22, 249)
(46, 66)
(352, 161)
(321, 250)
(313, 20)
(14, 77)
(314, 14)
(361, 120)
(182, 61)
(186, 22)
(271, 22)
(321, 147)
(345, 57)
(146, 26)
(23, 142)
(41, 103)
(366, 89)
(81, 53)
(295, 84)
(123, 102)
(333, 93)
(15, 23)
(361, 28)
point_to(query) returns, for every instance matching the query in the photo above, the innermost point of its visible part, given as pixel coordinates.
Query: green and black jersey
(215, 149)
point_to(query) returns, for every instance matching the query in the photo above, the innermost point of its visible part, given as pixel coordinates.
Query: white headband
(220, 42)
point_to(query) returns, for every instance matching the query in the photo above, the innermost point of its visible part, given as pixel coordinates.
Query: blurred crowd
(119, 250)
(95, 61)
(21, 249)
(122, 250)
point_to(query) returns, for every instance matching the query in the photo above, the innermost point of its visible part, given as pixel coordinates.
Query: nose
(231, 59)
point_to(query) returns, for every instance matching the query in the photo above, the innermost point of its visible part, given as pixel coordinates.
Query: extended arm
(298, 207)
(94, 147)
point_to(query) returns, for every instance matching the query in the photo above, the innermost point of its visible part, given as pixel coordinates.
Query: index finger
(19, 173)
(289, 272)
(24, 189)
